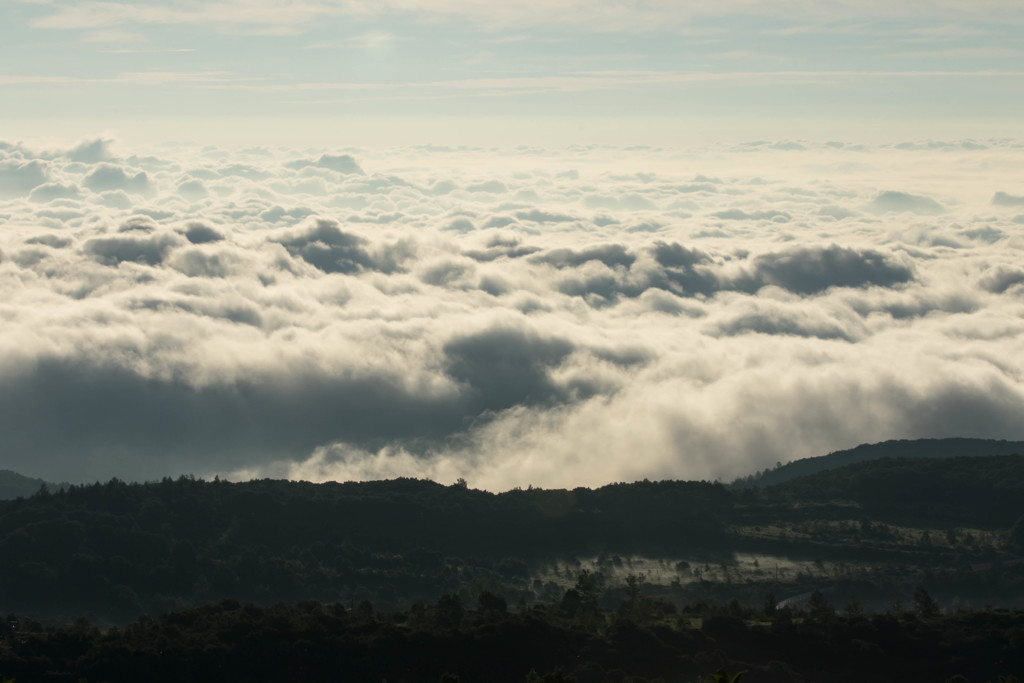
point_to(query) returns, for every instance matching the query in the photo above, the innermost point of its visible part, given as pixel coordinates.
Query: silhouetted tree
(449, 611)
(590, 587)
(490, 604)
(819, 606)
(571, 602)
(1017, 533)
(364, 611)
(924, 606)
(633, 583)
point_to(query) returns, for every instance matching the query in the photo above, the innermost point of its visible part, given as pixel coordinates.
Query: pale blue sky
(441, 68)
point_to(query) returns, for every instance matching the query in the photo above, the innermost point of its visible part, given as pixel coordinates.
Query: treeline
(571, 640)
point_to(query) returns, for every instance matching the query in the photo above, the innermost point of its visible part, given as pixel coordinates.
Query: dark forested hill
(918, 448)
(121, 549)
(982, 491)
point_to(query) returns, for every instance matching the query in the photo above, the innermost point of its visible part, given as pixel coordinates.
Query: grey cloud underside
(775, 322)
(496, 251)
(91, 151)
(113, 250)
(1002, 278)
(739, 215)
(197, 233)
(200, 263)
(50, 240)
(891, 200)
(342, 163)
(18, 178)
(328, 248)
(50, 191)
(254, 419)
(75, 412)
(812, 270)
(688, 272)
(446, 274)
(507, 367)
(611, 255)
(107, 177)
(564, 318)
(1005, 199)
(984, 234)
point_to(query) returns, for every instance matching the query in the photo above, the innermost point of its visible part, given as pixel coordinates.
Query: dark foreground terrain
(573, 640)
(893, 568)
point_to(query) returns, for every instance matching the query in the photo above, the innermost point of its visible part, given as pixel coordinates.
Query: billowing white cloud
(534, 316)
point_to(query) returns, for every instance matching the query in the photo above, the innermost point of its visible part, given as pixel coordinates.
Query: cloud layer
(534, 316)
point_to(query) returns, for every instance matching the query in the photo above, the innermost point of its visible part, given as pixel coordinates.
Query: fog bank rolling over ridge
(554, 317)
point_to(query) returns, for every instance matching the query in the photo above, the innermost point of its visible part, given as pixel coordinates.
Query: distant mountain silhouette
(917, 448)
(13, 485)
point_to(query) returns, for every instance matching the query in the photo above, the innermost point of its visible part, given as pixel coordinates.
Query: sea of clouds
(554, 317)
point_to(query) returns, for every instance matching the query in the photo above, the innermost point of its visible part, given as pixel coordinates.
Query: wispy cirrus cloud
(604, 80)
(277, 17)
(260, 16)
(130, 78)
(494, 86)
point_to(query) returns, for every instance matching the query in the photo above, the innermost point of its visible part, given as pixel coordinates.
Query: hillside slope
(13, 485)
(936, 492)
(917, 448)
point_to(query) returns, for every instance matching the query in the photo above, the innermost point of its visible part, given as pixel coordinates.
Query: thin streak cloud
(270, 16)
